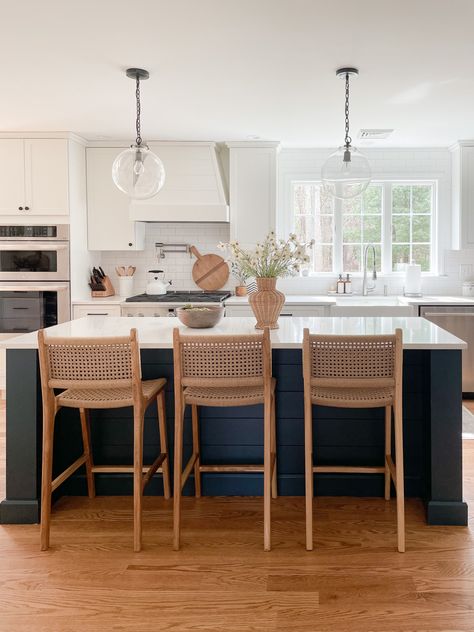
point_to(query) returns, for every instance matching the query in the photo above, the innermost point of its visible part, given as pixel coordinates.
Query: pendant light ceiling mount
(346, 173)
(342, 72)
(137, 171)
(137, 73)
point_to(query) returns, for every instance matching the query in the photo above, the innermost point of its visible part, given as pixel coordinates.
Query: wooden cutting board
(210, 272)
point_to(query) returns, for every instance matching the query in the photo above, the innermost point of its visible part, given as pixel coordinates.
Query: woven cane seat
(108, 397)
(352, 397)
(225, 396)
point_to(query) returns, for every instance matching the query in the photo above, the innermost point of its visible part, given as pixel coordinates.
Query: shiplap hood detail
(194, 189)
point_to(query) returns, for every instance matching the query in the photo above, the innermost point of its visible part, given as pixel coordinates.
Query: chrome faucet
(366, 287)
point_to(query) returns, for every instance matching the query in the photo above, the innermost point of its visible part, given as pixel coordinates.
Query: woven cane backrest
(222, 360)
(88, 362)
(352, 360)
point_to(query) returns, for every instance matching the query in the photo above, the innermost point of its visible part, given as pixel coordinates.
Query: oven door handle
(35, 245)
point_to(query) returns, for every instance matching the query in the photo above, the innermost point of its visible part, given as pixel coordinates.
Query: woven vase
(266, 303)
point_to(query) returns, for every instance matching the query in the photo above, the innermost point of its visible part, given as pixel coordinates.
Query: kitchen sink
(370, 306)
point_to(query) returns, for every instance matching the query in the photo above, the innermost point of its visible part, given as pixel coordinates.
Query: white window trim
(286, 222)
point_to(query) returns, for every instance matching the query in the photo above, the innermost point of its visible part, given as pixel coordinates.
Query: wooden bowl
(200, 317)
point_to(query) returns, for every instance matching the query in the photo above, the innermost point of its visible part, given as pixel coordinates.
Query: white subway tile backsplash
(176, 266)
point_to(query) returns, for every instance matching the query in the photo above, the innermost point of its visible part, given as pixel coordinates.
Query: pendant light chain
(138, 122)
(347, 139)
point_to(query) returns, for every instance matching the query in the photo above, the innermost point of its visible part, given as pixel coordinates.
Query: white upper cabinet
(253, 187)
(46, 176)
(34, 177)
(463, 194)
(194, 189)
(108, 224)
(12, 176)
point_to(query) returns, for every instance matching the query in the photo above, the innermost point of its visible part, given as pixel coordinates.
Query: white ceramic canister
(126, 286)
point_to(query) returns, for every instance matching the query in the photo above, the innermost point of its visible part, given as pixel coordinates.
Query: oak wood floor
(221, 580)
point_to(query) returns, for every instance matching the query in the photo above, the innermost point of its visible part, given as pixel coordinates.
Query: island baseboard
(19, 511)
(447, 513)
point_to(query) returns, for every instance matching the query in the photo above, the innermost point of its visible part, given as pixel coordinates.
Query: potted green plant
(271, 259)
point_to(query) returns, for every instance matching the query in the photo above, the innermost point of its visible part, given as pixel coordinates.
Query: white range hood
(194, 189)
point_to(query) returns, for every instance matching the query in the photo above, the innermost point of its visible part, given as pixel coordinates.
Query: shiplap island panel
(432, 419)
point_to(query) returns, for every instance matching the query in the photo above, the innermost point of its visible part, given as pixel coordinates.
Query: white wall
(387, 164)
(177, 267)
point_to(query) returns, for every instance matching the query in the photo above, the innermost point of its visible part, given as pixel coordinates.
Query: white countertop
(290, 299)
(310, 299)
(156, 333)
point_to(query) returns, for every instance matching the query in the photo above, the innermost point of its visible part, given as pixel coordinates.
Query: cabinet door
(108, 223)
(12, 177)
(46, 177)
(79, 311)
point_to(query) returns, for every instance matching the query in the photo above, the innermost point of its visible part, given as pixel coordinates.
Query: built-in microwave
(34, 253)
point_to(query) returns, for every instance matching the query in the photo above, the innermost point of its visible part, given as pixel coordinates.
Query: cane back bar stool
(98, 373)
(222, 371)
(355, 372)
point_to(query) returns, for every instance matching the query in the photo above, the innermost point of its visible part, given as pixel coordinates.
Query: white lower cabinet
(105, 309)
(288, 310)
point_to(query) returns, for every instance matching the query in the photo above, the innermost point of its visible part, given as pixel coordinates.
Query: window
(397, 217)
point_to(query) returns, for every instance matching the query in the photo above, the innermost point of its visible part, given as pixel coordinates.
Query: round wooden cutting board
(210, 272)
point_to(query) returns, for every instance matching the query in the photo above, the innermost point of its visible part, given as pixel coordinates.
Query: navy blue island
(432, 411)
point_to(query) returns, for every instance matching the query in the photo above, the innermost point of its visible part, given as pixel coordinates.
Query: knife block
(109, 289)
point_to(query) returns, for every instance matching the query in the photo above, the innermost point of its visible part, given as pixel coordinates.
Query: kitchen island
(432, 410)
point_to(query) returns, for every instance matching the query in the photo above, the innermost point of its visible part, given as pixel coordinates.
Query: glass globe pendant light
(137, 171)
(346, 173)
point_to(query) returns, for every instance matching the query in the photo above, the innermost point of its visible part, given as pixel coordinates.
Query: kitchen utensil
(157, 285)
(200, 317)
(210, 272)
(131, 270)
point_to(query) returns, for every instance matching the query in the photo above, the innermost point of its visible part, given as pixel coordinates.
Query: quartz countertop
(290, 299)
(156, 333)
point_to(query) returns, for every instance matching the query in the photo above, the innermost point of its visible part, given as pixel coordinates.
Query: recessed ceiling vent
(374, 134)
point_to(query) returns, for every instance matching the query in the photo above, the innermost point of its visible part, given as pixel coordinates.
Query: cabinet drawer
(21, 308)
(79, 311)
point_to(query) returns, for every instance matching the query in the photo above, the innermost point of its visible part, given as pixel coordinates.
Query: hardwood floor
(221, 580)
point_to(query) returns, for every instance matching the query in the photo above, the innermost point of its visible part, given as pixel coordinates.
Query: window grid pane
(313, 214)
(362, 224)
(411, 225)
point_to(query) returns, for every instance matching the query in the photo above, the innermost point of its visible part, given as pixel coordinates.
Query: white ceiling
(235, 69)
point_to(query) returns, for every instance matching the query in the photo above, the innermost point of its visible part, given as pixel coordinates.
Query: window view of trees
(406, 207)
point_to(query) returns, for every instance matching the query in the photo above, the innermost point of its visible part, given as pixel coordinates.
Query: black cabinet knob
(20, 208)
(27, 208)
(130, 243)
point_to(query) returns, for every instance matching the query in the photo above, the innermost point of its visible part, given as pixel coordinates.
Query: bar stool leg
(388, 449)
(267, 482)
(161, 406)
(46, 478)
(308, 450)
(274, 450)
(400, 481)
(178, 465)
(86, 442)
(138, 419)
(196, 450)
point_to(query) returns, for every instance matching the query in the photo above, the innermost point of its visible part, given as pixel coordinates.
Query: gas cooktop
(191, 296)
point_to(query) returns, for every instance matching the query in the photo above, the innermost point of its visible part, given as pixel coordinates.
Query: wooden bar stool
(355, 372)
(222, 371)
(98, 373)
